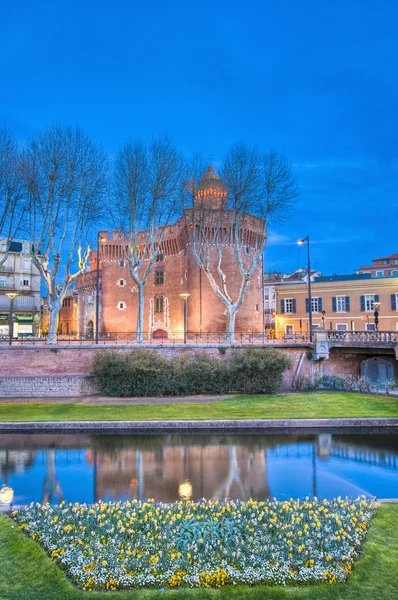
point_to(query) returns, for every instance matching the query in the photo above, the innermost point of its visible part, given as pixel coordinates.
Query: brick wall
(43, 368)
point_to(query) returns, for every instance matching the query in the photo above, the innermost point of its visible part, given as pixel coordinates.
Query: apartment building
(18, 275)
(386, 266)
(339, 302)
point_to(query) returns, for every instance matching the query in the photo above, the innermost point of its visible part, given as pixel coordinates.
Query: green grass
(289, 406)
(27, 574)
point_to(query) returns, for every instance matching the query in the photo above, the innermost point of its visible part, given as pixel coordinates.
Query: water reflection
(51, 467)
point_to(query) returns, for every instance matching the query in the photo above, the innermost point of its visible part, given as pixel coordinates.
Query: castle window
(122, 263)
(247, 249)
(159, 304)
(121, 282)
(257, 307)
(121, 306)
(159, 277)
(160, 257)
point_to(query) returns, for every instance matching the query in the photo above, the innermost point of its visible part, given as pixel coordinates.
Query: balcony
(20, 302)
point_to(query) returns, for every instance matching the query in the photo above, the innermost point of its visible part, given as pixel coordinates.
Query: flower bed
(118, 545)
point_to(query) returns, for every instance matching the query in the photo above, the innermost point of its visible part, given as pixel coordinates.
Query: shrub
(258, 370)
(339, 382)
(136, 373)
(200, 374)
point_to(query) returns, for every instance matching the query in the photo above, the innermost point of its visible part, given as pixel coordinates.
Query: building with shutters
(348, 301)
(386, 266)
(18, 275)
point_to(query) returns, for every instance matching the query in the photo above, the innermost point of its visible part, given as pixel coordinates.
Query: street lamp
(300, 243)
(185, 298)
(99, 239)
(376, 314)
(11, 296)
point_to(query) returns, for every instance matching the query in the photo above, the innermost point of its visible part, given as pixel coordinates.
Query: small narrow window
(160, 257)
(122, 263)
(159, 277)
(257, 307)
(122, 282)
(159, 304)
(121, 306)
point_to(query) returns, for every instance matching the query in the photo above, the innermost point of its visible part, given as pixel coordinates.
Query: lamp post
(376, 315)
(12, 296)
(185, 298)
(300, 243)
(99, 239)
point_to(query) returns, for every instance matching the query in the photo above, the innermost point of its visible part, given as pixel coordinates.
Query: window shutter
(282, 307)
(320, 305)
(377, 299)
(394, 301)
(347, 303)
(362, 303)
(294, 304)
(334, 304)
(307, 305)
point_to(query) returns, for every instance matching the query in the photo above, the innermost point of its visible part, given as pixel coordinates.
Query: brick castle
(175, 272)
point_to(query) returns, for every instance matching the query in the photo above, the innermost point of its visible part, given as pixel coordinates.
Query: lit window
(369, 304)
(159, 304)
(341, 305)
(316, 304)
(159, 277)
(289, 305)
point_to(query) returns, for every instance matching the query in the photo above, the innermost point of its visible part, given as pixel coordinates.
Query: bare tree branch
(147, 184)
(65, 177)
(12, 200)
(232, 215)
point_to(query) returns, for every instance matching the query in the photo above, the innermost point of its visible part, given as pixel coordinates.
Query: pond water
(87, 468)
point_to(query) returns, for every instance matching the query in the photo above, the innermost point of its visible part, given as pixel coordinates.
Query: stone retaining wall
(47, 386)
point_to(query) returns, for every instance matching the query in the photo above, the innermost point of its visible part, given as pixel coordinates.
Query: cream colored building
(19, 275)
(339, 303)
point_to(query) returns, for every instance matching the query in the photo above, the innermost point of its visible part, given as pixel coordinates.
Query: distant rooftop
(353, 277)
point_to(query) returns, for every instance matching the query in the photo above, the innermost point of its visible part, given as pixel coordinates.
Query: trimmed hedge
(144, 373)
(258, 370)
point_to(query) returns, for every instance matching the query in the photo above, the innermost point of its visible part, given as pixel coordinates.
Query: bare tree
(147, 189)
(233, 218)
(65, 177)
(12, 204)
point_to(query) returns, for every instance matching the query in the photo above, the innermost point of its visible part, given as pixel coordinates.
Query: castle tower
(211, 189)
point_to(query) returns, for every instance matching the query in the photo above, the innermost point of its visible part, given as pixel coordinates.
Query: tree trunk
(54, 317)
(140, 314)
(231, 315)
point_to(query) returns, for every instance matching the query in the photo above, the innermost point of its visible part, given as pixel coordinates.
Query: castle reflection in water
(74, 467)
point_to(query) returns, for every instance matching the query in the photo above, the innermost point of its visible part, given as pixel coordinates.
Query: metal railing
(172, 339)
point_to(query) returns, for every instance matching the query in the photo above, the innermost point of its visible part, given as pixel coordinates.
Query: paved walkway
(99, 400)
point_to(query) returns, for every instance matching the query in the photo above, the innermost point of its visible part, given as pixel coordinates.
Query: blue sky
(315, 79)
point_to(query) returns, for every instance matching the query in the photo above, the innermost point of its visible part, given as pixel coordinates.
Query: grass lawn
(27, 574)
(292, 406)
